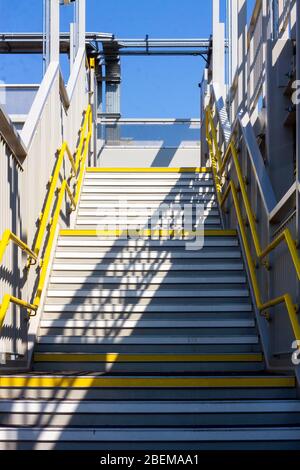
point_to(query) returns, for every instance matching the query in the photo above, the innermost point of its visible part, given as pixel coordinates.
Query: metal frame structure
(237, 128)
(32, 43)
(250, 112)
(21, 156)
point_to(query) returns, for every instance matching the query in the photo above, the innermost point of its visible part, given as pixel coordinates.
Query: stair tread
(151, 434)
(153, 350)
(147, 279)
(155, 340)
(145, 357)
(165, 407)
(148, 293)
(146, 255)
(95, 380)
(153, 323)
(142, 309)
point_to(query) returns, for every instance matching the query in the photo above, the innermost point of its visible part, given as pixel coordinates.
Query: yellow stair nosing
(75, 382)
(124, 358)
(149, 170)
(147, 232)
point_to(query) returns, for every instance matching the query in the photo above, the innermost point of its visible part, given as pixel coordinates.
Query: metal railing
(78, 163)
(230, 179)
(17, 98)
(9, 236)
(149, 133)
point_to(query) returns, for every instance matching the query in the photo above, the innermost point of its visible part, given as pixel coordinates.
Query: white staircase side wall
(149, 157)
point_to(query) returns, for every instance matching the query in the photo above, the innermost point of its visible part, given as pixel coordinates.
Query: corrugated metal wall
(255, 62)
(23, 193)
(281, 278)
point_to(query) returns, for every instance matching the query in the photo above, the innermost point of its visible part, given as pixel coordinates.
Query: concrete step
(144, 324)
(136, 225)
(137, 205)
(161, 255)
(227, 438)
(137, 394)
(146, 339)
(133, 282)
(150, 184)
(134, 198)
(132, 212)
(149, 413)
(147, 363)
(167, 222)
(161, 252)
(171, 307)
(145, 222)
(72, 344)
(146, 316)
(108, 243)
(162, 191)
(150, 171)
(98, 387)
(232, 381)
(207, 335)
(151, 368)
(148, 293)
(78, 267)
(159, 232)
(147, 178)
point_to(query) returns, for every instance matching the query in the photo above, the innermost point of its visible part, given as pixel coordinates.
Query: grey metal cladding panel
(11, 273)
(284, 279)
(10, 196)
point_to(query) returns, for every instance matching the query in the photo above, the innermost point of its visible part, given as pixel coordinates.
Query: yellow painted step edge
(145, 382)
(115, 357)
(147, 233)
(150, 170)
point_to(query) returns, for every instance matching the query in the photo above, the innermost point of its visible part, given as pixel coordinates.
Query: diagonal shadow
(119, 312)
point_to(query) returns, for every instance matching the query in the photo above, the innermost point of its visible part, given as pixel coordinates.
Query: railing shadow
(115, 313)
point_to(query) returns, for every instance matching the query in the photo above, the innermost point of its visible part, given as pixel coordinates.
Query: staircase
(143, 343)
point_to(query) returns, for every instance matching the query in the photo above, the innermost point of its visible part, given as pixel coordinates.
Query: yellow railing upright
(10, 299)
(9, 236)
(219, 166)
(77, 172)
(44, 216)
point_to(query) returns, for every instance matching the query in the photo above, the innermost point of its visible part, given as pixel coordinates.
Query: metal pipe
(33, 42)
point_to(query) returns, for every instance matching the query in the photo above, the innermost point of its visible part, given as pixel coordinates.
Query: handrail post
(54, 31)
(218, 171)
(77, 163)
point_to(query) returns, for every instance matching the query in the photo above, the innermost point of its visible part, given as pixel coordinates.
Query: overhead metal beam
(178, 43)
(158, 53)
(32, 43)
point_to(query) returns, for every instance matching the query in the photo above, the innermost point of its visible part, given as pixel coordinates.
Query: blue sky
(151, 86)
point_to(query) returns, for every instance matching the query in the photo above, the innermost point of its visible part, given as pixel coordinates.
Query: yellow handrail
(81, 173)
(7, 300)
(44, 216)
(10, 236)
(86, 126)
(291, 308)
(287, 237)
(218, 171)
(46, 259)
(232, 152)
(78, 168)
(74, 200)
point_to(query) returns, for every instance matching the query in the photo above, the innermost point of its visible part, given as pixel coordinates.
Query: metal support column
(54, 31)
(298, 124)
(218, 57)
